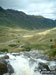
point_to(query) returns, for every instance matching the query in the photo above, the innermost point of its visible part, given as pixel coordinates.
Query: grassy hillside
(13, 18)
(20, 32)
(18, 39)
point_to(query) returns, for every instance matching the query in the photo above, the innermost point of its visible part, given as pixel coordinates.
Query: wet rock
(27, 54)
(3, 67)
(36, 54)
(43, 66)
(10, 69)
(16, 54)
(32, 61)
(53, 67)
(5, 57)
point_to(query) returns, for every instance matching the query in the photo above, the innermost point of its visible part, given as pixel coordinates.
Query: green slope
(14, 32)
(12, 38)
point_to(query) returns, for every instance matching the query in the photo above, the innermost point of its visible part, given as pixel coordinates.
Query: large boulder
(43, 66)
(5, 67)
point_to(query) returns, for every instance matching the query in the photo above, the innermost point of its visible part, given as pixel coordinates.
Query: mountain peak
(16, 11)
(1, 8)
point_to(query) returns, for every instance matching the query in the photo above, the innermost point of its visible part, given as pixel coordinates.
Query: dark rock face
(5, 67)
(1, 9)
(43, 66)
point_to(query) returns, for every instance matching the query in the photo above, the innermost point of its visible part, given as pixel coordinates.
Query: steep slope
(13, 18)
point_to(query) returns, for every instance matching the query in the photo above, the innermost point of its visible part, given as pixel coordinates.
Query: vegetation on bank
(3, 50)
(51, 53)
(22, 32)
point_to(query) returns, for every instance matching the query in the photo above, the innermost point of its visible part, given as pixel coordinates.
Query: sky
(46, 8)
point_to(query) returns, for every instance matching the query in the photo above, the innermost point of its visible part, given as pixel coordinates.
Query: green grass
(30, 38)
(51, 52)
(3, 50)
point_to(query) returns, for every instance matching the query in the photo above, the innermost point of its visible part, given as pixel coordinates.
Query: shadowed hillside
(13, 18)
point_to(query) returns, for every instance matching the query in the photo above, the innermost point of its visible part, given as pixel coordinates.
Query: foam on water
(21, 65)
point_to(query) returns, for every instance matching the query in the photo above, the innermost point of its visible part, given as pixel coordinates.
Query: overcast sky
(46, 8)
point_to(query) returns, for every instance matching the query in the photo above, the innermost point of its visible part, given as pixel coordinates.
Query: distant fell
(14, 18)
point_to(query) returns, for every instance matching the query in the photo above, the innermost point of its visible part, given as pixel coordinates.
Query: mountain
(14, 18)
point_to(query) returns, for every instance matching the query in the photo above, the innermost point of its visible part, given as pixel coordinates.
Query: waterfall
(25, 66)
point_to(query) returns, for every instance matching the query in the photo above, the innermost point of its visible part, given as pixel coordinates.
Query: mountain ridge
(14, 18)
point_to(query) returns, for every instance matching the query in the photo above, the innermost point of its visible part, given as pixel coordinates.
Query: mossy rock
(13, 45)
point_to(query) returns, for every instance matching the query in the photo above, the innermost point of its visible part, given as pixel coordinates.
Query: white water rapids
(23, 65)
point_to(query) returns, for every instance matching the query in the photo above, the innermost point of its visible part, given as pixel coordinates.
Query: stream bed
(29, 63)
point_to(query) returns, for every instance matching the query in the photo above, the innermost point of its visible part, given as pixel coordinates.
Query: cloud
(14, 4)
(34, 7)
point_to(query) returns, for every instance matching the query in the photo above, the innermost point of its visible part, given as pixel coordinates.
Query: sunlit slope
(31, 36)
(7, 33)
(37, 39)
(42, 37)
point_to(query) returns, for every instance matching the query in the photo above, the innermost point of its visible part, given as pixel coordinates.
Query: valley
(27, 43)
(18, 39)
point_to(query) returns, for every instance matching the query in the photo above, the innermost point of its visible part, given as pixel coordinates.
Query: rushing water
(24, 65)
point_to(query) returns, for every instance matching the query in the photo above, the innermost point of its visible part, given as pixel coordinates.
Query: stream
(27, 63)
